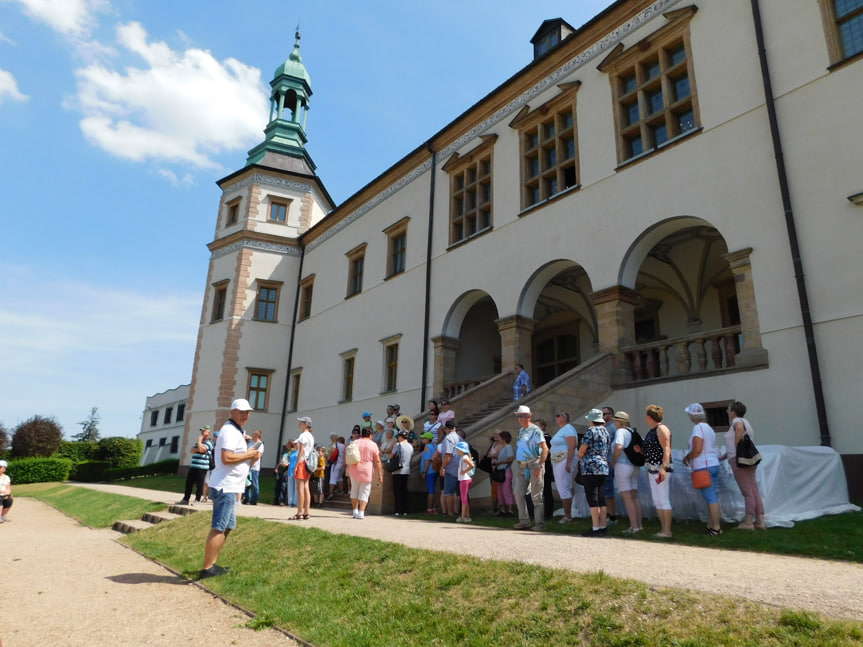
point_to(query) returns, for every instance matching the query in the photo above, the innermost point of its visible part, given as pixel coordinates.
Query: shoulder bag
(747, 452)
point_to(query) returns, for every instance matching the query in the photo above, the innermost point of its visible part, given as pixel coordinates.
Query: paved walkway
(64, 584)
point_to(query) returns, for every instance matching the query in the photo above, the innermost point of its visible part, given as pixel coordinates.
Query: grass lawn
(90, 507)
(347, 591)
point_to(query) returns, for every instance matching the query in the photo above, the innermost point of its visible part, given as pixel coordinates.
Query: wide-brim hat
(622, 416)
(695, 409)
(523, 409)
(595, 415)
(402, 419)
(463, 447)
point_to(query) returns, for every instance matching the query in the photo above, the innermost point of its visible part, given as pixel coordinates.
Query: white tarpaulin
(796, 483)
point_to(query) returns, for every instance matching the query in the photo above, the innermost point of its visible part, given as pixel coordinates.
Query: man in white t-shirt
(228, 479)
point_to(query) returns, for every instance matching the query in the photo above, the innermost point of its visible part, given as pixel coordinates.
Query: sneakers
(522, 526)
(610, 520)
(463, 520)
(565, 520)
(183, 502)
(214, 571)
(595, 532)
(538, 527)
(632, 531)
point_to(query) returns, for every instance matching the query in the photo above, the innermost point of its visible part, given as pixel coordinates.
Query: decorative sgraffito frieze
(261, 178)
(256, 245)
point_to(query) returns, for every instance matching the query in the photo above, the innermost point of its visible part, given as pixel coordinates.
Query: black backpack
(635, 457)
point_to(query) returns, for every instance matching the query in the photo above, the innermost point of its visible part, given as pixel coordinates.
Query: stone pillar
(515, 337)
(445, 349)
(615, 320)
(751, 352)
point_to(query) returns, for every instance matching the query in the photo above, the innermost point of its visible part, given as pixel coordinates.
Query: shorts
(709, 493)
(626, 477)
(224, 515)
(7, 501)
(450, 484)
(608, 488)
(301, 473)
(431, 481)
(360, 491)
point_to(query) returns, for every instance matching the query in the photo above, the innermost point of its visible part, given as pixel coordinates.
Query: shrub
(78, 452)
(120, 452)
(89, 471)
(169, 466)
(39, 470)
(38, 436)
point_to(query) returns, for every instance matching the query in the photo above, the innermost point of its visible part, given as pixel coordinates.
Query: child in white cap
(466, 469)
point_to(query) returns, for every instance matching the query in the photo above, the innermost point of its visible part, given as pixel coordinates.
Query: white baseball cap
(241, 404)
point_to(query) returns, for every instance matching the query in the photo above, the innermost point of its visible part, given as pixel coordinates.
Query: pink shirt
(363, 471)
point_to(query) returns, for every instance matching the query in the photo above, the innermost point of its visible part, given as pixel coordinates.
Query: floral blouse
(595, 460)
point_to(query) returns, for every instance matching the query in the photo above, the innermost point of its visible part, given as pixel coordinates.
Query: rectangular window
(549, 148)
(279, 211)
(653, 87)
(470, 192)
(220, 297)
(266, 305)
(167, 418)
(306, 290)
(233, 214)
(149, 443)
(356, 266)
(181, 412)
(397, 245)
(391, 359)
(154, 418)
(348, 379)
(259, 386)
(295, 390)
(844, 21)
(162, 442)
(175, 444)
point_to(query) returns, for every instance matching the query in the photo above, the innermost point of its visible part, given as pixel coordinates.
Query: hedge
(89, 471)
(170, 466)
(39, 470)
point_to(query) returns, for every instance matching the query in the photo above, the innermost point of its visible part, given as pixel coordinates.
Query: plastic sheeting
(796, 483)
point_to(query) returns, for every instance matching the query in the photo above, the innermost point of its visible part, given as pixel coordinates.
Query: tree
(38, 436)
(4, 438)
(89, 427)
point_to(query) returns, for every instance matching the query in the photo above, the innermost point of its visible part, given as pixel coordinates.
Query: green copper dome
(294, 67)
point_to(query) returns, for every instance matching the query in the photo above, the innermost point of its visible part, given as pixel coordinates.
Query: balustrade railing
(705, 352)
(454, 389)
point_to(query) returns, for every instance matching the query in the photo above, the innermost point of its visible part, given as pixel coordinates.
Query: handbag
(701, 479)
(485, 464)
(747, 452)
(498, 476)
(395, 462)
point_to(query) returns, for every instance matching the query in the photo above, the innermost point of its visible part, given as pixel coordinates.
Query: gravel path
(69, 585)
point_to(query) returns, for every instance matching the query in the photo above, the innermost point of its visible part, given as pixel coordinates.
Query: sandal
(296, 517)
(712, 532)
(306, 517)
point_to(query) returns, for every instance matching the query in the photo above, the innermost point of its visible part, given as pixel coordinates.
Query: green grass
(347, 591)
(90, 507)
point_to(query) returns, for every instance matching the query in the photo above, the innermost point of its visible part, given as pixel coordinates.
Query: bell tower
(289, 109)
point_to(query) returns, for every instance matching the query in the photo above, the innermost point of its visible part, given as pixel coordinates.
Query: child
(427, 470)
(292, 464)
(317, 484)
(466, 470)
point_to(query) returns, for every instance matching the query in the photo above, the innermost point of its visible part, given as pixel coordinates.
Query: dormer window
(549, 35)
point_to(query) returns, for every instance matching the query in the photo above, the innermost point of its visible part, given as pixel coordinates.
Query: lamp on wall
(857, 199)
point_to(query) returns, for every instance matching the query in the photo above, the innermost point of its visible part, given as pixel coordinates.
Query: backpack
(635, 457)
(311, 461)
(352, 454)
(395, 462)
(474, 458)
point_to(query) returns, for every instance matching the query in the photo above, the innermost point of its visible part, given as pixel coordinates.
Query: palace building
(663, 206)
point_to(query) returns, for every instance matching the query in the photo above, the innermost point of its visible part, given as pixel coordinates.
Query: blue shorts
(608, 488)
(431, 481)
(450, 484)
(709, 493)
(224, 516)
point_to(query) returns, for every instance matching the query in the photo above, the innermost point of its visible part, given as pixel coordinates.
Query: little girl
(317, 483)
(466, 470)
(292, 464)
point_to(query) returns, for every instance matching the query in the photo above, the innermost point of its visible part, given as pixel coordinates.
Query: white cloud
(5, 39)
(68, 17)
(181, 106)
(187, 180)
(9, 88)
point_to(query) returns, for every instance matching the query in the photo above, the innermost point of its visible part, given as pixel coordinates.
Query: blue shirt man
(522, 383)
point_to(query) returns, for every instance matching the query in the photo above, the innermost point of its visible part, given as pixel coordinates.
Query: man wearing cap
(5, 491)
(531, 453)
(228, 479)
(201, 452)
(449, 468)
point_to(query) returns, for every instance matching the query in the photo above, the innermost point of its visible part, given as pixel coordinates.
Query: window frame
(650, 65)
(349, 365)
(273, 291)
(397, 245)
(181, 412)
(390, 363)
(836, 45)
(296, 381)
(154, 418)
(220, 300)
(356, 268)
(166, 418)
(307, 287)
(275, 202)
(253, 374)
(232, 212)
(471, 174)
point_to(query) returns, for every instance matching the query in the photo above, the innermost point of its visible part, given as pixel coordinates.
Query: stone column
(615, 320)
(751, 352)
(445, 349)
(515, 342)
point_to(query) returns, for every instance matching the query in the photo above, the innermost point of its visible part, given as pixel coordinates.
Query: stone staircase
(149, 519)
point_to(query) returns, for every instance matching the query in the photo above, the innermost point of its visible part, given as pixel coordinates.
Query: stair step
(159, 517)
(183, 510)
(129, 526)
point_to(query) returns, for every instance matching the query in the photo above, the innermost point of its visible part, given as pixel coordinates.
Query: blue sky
(118, 116)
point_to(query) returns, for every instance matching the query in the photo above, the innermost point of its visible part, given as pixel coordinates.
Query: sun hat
(241, 404)
(405, 419)
(695, 409)
(522, 410)
(595, 415)
(622, 416)
(463, 447)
